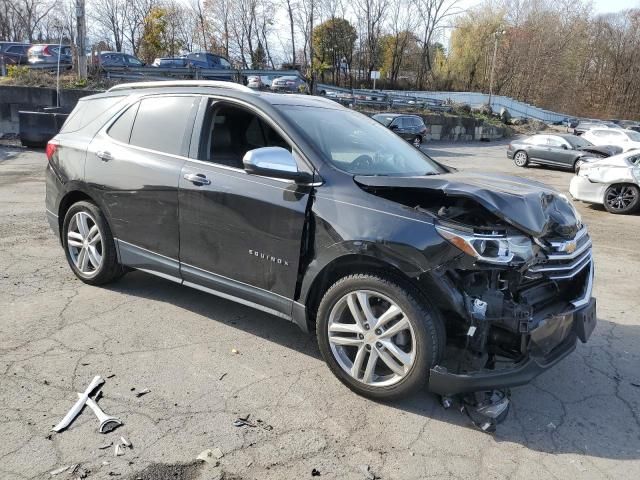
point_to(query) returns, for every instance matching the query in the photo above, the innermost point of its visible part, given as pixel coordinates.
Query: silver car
(289, 84)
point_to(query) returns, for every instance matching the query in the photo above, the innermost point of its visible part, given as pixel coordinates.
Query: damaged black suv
(410, 273)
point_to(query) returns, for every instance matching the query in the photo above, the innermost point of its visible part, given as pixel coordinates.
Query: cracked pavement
(579, 420)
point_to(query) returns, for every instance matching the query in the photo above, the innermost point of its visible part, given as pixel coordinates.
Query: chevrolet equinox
(410, 272)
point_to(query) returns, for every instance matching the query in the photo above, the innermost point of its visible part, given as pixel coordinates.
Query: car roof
(229, 89)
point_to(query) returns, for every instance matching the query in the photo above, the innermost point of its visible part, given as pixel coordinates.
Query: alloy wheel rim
(520, 159)
(416, 142)
(371, 338)
(84, 242)
(619, 198)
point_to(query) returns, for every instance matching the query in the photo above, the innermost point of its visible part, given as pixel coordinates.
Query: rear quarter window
(121, 129)
(87, 110)
(161, 124)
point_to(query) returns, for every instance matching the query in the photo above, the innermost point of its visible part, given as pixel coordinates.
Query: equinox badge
(270, 258)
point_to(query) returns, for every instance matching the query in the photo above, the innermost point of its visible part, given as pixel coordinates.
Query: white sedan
(625, 139)
(613, 182)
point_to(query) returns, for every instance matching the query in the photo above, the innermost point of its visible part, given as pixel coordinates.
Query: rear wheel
(521, 159)
(89, 245)
(622, 198)
(377, 336)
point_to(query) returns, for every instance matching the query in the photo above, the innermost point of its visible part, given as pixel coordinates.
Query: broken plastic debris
(108, 423)
(142, 392)
(243, 421)
(105, 446)
(216, 452)
(125, 442)
(77, 407)
(58, 471)
(551, 425)
(117, 451)
(315, 472)
(209, 457)
(233, 350)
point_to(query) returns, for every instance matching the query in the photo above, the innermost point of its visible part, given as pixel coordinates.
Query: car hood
(530, 206)
(603, 149)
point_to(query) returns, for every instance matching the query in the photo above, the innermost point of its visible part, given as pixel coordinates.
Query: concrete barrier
(14, 99)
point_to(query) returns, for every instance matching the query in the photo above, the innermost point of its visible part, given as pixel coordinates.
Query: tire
(623, 198)
(417, 141)
(99, 263)
(416, 335)
(521, 159)
(577, 164)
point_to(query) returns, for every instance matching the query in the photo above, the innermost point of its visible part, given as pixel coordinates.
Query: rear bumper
(582, 189)
(562, 331)
(510, 153)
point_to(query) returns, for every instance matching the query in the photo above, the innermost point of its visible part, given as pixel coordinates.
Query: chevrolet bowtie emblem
(570, 246)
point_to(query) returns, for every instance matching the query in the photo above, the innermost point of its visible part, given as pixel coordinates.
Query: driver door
(240, 234)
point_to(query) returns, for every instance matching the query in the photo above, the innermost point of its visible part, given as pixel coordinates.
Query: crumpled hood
(530, 206)
(603, 149)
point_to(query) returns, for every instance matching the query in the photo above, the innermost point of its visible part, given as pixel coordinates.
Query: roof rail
(182, 83)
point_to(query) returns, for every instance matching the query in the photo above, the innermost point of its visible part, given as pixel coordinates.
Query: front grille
(564, 258)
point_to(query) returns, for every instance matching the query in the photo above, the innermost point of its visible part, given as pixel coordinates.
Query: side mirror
(393, 126)
(564, 147)
(274, 162)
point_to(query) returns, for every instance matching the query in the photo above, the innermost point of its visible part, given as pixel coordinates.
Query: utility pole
(80, 40)
(313, 88)
(497, 34)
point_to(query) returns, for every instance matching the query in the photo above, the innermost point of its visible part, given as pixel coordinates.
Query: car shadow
(581, 406)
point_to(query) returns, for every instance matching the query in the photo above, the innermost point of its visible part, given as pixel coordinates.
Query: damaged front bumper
(554, 334)
(563, 330)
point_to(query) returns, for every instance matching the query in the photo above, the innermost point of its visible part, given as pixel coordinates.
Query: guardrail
(390, 99)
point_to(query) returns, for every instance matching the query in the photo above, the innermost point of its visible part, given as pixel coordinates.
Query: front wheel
(521, 159)
(89, 245)
(622, 199)
(417, 141)
(378, 336)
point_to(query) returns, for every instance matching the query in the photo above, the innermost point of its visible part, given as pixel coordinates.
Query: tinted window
(555, 142)
(121, 129)
(87, 111)
(537, 140)
(161, 123)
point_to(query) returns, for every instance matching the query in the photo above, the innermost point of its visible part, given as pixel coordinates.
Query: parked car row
(45, 54)
(607, 171)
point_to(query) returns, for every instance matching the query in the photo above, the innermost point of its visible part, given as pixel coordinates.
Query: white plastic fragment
(58, 471)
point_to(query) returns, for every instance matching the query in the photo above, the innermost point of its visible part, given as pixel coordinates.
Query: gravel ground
(579, 420)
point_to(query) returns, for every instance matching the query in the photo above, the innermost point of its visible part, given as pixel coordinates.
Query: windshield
(383, 119)
(634, 136)
(578, 142)
(356, 144)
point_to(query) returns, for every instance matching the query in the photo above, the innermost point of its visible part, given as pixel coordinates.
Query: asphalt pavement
(207, 362)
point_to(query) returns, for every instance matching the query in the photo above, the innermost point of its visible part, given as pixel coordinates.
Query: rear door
(133, 166)
(240, 234)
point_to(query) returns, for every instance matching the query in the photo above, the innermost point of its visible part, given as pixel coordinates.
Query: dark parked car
(118, 59)
(207, 60)
(409, 127)
(409, 273)
(47, 55)
(289, 84)
(567, 151)
(14, 53)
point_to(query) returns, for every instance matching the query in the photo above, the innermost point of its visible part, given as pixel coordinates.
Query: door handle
(197, 178)
(104, 155)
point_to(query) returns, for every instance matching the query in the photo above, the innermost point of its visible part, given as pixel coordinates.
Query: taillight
(52, 146)
(46, 52)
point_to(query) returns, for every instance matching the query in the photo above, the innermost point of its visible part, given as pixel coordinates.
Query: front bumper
(554, 339)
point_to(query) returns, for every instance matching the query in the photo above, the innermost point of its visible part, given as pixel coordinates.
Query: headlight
(498, 249)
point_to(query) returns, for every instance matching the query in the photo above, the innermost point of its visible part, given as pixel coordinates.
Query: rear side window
(121, 128)
(161, 124)
(86, 111)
